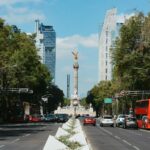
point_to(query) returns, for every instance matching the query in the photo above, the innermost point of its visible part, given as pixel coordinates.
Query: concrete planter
(70, 133)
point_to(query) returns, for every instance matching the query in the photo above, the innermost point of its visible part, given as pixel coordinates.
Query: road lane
(137, 138)
(101, 140)
(26, 136)
(109, 138)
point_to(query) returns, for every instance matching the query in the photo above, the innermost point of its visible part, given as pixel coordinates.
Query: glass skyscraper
(46, 44)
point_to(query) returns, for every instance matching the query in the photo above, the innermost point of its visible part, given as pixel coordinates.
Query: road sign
(107, 100)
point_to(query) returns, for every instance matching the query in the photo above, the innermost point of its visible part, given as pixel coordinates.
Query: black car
(50, 118)
(62, 117)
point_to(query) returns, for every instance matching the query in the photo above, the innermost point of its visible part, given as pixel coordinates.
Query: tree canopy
(20, 67)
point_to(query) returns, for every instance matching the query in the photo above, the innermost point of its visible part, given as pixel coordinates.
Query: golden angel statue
(75, 54)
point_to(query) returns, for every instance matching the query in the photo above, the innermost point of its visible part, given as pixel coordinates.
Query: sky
(77, 24)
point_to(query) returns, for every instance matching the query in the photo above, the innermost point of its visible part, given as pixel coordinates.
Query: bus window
(142, 104)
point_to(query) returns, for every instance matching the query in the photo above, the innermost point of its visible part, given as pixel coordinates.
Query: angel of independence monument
(75, 97)
(75, 108)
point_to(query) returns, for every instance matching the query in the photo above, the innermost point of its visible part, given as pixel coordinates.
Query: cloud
(12, 2)
(69, 43)
(22, 15)
(14, 14)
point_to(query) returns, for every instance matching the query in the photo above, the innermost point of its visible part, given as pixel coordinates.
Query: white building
(46, 43)
(109, 32)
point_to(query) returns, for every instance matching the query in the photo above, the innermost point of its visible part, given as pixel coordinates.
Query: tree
(105, 89)
(131, 54)
(55, 98)
(18, 49)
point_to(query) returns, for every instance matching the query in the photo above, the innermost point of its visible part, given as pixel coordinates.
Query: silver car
(120, 120)
(130, 122)
(106, 120)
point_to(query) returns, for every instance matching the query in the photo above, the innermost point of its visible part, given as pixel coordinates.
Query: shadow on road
(20, 129)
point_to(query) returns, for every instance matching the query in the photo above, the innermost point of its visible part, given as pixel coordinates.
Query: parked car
(120, 120)
(35, 118)
(62, 117)
(145, 122)
(50, 118)
(89, 120)
(130, 122)
(106, 120)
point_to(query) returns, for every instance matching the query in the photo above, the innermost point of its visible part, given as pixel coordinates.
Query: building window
(106, 70)
(106, 55)
(106, 40)
(41, 41)
(106, 48)
(106, 63)
(106, 77)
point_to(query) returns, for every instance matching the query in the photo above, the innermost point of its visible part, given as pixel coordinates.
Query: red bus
(142, 112)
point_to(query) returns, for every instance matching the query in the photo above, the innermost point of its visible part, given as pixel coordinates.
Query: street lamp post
(45, 100)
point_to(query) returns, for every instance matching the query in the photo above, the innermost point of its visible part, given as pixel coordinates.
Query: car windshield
(131, 119)
(107, 117)
(122, 116)
(50, 115)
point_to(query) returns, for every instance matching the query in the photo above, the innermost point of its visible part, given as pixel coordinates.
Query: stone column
(75, 78)
(75, 67)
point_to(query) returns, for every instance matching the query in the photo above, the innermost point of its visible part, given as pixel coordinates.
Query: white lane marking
(27, 135)
(2, 146)
(15, 141)
(127, 142)
(117, 137)
(110, 133)
(136, 147)
(143, 130)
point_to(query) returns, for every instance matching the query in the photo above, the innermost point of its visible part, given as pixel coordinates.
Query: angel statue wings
(75, 54)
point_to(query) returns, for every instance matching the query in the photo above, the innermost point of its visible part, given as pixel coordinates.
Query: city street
(30, 136)
(109, 138)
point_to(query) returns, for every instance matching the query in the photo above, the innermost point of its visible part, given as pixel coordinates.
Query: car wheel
(94, 124)
(101, 125)
(113, 125)
(143, 126)
(124, 126)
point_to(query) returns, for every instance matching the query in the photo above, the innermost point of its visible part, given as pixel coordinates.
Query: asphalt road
(30, 136)
(109, 138)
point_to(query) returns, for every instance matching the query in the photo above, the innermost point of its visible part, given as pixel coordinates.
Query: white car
(120, 120)
(106, 120)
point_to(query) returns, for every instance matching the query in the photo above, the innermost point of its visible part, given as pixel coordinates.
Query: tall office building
(46, 44)
(109, 32)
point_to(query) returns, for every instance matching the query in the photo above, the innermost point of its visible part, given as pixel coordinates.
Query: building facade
(46, 44)
(110, 30)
